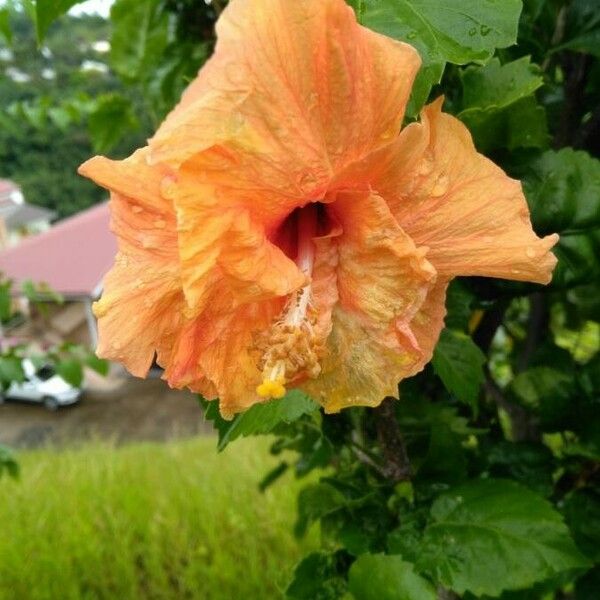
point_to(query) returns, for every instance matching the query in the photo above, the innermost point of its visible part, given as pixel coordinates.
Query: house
(18, 219)
(72, 258)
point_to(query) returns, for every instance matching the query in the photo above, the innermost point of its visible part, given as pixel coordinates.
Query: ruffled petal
(471, 216)
(295, 90)
(141, 309)
(226, 351)
(382, 281)
(427, 324)
(220, 242)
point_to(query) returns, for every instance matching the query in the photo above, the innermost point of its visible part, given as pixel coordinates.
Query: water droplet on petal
(160, 223)
(167, 187)
(136, 209)
(530, 252)
(440, 187)
(425, 166)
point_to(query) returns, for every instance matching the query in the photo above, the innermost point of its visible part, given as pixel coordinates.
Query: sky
(101, 7)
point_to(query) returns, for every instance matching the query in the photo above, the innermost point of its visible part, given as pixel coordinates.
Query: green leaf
(582, 28)
(314, 502)
(547, 392)
(577, 259)
(273, 475)
(385, 577)
(489, 536)
(5, 300)
(99, 365)
(459, 363)
(528, 463)
(260, 418)
(456, 31)
(5, 29)
(445, 461)
(70, 370)
(139, 38)
(582, 514)
(319, 576)
(110, 121)
(11, 370)
(499, 86)
(8, 463)
(459, 300)
(47, 11)
(563, 191)
(499, 108)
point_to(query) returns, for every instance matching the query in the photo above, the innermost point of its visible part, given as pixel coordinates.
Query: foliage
(51, 98)
(483, 481)
(147, 520)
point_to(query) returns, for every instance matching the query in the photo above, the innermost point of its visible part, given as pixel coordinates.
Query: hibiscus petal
(382, 281)
(473, 217)
(220, 241)
(140, 311)
(227, 354)
(294, 91)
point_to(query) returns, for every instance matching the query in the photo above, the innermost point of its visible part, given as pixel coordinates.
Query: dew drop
(167, 187)
(425, 166)
(472, 31)
(484, 30)
(412, 35)
(136, 209)
(530, 252)
(160, 223)
(440, 187)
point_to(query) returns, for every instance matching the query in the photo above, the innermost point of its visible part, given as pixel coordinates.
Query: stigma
(290, 349)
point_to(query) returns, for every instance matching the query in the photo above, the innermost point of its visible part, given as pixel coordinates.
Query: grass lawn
(147, 521)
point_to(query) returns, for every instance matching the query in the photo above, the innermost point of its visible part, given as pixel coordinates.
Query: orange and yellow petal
(382, 282)
(295, 91)
(471, 216)
(141, 308)
(220, 242)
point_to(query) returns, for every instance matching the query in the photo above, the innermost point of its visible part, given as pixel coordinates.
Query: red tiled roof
(72, 257)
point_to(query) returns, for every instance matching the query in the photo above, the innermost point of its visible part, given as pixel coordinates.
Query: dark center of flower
(290, 347)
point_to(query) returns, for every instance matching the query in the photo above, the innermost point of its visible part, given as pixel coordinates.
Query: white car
(42, 385)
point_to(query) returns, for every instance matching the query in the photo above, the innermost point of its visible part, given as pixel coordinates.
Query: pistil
(290, 349)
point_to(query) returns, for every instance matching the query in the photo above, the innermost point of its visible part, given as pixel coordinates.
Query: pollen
(290, 349)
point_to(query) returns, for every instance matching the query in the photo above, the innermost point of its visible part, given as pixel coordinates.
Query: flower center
(290, 348)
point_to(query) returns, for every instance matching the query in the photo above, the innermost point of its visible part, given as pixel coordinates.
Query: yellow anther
(271, 389)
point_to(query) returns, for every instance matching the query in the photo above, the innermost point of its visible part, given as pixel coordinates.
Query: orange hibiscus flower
(280, 230)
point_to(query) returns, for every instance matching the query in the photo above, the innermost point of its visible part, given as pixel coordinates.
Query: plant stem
(396, 465)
